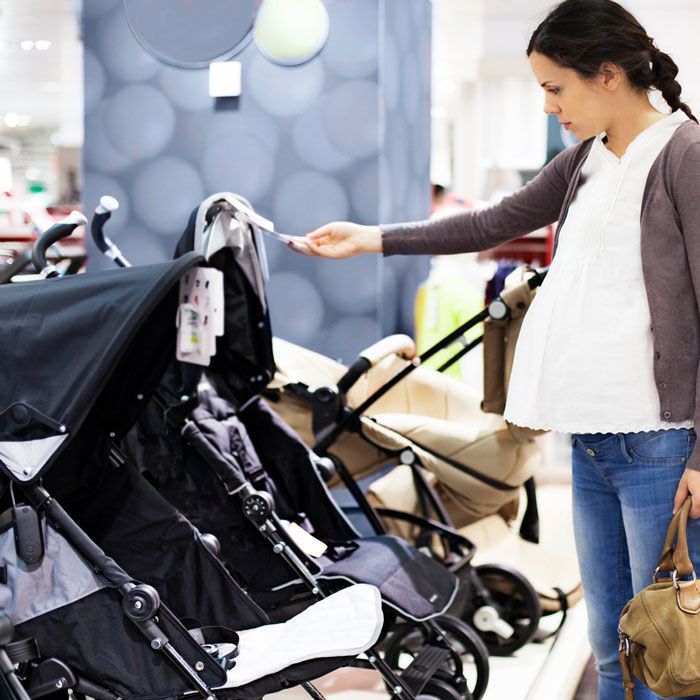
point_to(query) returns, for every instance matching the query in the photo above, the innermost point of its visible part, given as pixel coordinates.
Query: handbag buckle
(676, 583)
(624, 644)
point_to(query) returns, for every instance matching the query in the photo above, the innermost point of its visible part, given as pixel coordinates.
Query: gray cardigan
(670, 248)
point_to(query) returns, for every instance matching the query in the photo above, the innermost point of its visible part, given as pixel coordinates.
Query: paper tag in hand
(304, 540)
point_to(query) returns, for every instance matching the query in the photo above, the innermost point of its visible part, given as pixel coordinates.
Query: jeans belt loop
(625, 450)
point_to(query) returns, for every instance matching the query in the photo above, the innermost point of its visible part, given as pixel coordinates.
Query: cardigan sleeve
(687, 204)
(537, 204)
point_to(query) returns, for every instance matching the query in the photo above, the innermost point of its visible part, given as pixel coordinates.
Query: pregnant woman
(609, 349)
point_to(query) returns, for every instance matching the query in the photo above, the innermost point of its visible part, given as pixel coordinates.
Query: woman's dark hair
(585, 34)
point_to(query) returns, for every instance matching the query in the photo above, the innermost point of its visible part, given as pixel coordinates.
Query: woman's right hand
(341, 239)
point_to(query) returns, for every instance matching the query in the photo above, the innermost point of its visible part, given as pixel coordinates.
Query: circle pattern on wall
(139, 121)
(296, 307)
(291, 32)
(283, 91)
(307, 200)
(164, 194)
(189, 34)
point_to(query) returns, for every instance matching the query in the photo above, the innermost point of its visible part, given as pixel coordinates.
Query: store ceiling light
(42, 45)
(12, 119)
(291, 32)
(26, 45)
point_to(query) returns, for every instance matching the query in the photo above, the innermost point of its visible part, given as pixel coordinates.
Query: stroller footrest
(423, 667)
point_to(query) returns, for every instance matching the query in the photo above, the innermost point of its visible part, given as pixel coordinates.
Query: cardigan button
(667, 414)
(591, 452)
(662, 385)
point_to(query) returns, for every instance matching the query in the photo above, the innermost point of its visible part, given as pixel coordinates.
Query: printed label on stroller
(200, 316)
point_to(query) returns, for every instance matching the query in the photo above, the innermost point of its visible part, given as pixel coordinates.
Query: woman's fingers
(689, 485)
(300, 245)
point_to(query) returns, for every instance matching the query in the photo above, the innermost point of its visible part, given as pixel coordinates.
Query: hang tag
(217, 302)
(200, 314)
(190, 341)
(254, 217)
(304, 540)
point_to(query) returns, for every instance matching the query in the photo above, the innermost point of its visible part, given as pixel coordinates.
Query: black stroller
(239, 444)
(81, 622)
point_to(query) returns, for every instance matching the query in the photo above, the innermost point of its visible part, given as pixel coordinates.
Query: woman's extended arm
(531, 207)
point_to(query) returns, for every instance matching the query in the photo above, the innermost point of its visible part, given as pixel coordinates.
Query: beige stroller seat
(476, 457)
(476, 461)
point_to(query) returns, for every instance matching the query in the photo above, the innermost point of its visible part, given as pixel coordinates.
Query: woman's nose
(551, 108)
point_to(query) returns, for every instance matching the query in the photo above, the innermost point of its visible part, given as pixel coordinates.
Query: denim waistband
(610, 443)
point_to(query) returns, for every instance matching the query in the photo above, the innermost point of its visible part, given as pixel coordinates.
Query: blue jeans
(623, 489)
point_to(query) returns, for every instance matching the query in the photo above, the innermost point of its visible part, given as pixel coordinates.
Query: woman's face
(581, 106)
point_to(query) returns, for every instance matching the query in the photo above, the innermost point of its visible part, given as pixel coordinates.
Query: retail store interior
(307, 112)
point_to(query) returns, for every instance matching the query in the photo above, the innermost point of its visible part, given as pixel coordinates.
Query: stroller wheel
(436, 689)
(511, 620)
(466, 672)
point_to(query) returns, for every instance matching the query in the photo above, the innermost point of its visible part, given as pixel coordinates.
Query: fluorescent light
(26, 45)
(42, 45)
(11, 119)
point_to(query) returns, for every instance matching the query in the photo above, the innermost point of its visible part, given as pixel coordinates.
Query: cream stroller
(457, 462)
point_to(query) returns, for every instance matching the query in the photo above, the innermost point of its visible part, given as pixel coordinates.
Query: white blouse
(584, 358)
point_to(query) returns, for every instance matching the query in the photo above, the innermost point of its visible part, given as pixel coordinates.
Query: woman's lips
(566, 125)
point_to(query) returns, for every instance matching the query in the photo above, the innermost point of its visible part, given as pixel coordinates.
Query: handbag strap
(677, 558)
(627, 680)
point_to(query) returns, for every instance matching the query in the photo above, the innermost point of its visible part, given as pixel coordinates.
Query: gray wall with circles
(343, 136)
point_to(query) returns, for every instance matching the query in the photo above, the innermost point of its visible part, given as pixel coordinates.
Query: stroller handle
(101, 216)
(391, 345)
(53, 234)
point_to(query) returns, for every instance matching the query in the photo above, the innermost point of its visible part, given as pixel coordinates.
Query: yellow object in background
(442, 304)
(291, 32)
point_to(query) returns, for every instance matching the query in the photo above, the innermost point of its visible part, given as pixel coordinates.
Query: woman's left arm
(687, 201)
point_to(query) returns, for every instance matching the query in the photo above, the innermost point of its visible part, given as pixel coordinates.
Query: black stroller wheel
(471, 674)
(436, 689)
(516, 603)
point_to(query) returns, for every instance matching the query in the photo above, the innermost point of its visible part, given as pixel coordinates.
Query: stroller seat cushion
(443, 446)
(343, 624)
(414, 584)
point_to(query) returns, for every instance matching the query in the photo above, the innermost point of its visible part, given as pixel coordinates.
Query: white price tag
(200, 314)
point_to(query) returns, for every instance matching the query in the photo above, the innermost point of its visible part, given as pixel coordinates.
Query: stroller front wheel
(515, 602)
(436, 689)
(466, 671)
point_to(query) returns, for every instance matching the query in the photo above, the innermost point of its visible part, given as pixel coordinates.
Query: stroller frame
(259, 508)
(331, 418)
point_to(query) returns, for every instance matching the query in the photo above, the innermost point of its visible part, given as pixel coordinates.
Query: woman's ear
(610, 76)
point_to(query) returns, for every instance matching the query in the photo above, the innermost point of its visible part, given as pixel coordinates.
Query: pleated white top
(584, 358)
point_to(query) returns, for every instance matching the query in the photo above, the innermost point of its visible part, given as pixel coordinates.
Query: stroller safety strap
(343, 624)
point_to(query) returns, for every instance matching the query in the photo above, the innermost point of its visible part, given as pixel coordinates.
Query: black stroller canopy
(64, 340)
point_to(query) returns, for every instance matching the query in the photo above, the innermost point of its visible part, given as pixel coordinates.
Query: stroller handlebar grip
(391, 345)
(398, 344)
(53, 234)
(103, 212)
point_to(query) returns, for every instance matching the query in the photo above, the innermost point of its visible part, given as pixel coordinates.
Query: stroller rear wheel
(513, 600)
(468, 677)
(436, 689)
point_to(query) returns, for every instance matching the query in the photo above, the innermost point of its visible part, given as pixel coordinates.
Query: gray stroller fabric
(60, 579)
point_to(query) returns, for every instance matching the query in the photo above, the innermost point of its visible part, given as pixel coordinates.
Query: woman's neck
(634, 119)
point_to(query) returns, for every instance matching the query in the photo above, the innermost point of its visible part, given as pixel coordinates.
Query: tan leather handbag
(660, 627)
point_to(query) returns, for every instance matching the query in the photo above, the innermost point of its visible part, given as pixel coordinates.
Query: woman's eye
(554, 91)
